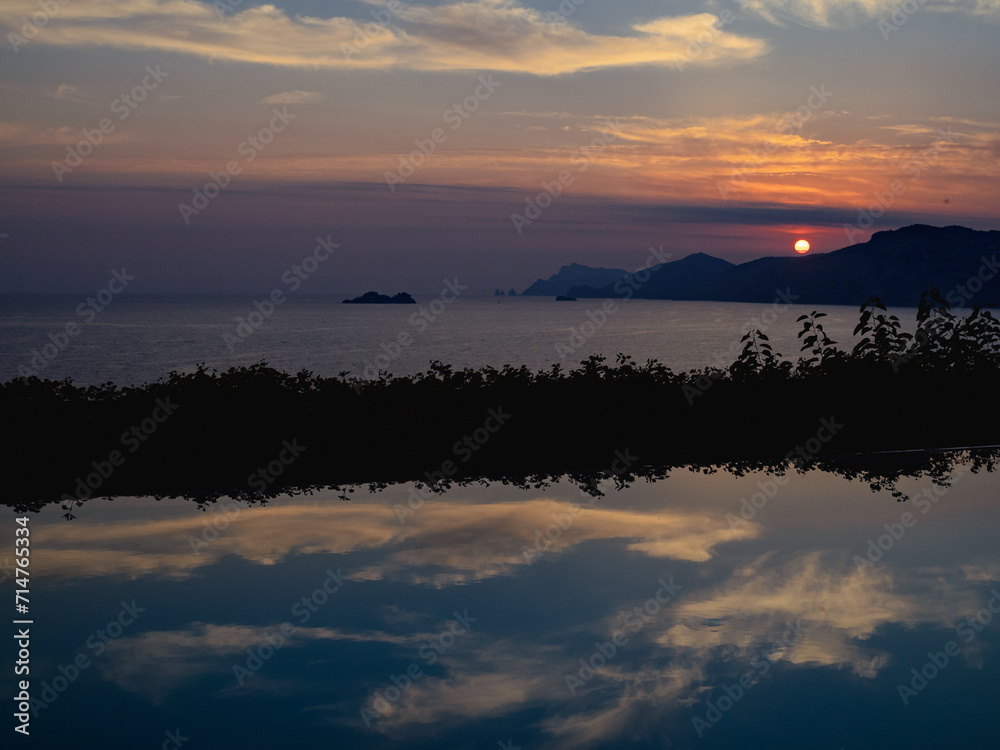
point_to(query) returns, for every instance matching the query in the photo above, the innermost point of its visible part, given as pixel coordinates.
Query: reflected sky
(668, 614)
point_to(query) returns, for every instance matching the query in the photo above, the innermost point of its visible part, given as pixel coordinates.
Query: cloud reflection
(444, 543)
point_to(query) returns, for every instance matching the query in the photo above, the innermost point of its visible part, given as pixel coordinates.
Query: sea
(702, 610)
(138, 339)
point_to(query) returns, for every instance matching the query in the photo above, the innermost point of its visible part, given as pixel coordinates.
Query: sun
(802, 247)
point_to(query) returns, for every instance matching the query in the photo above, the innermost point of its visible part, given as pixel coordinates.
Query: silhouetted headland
(895, 266)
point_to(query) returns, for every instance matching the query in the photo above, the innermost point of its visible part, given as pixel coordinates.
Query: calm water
(139, 339)
(437, 630)
(658, 616)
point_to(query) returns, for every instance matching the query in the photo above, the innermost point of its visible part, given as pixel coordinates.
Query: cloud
(486, 677)
(837, 610)
(835, 607)
(294, 97)
(989, 573)
(441, 545)
(726, 626)
(721, 625)
(19, 133)
(850, 13)
(474, 35)
(157, 663)
(70, 93)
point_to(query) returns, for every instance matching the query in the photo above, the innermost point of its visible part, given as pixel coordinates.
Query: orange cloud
(477, 35)
(456, 542)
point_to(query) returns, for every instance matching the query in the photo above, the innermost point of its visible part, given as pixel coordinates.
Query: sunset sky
(731, 128)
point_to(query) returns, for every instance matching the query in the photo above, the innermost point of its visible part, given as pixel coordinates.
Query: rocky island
(374, 298)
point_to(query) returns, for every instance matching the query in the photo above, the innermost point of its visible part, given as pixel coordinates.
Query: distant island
(895, 266)
(374, 298)
(564, 298)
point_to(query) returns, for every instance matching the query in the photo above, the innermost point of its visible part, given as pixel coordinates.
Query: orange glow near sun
(802, 247)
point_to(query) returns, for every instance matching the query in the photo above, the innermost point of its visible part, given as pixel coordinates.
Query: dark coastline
(259, 432)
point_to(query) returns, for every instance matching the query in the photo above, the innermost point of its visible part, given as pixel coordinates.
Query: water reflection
(646, 618)
(444, 543)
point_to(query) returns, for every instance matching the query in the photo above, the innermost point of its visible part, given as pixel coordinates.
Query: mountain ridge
(894, 265)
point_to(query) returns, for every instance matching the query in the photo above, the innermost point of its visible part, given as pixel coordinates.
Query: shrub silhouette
(893, 391)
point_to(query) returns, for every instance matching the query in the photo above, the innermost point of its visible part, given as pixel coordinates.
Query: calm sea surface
(653, 617)
(138, 339)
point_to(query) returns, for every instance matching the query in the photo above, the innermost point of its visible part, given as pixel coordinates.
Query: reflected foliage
(256, 432)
